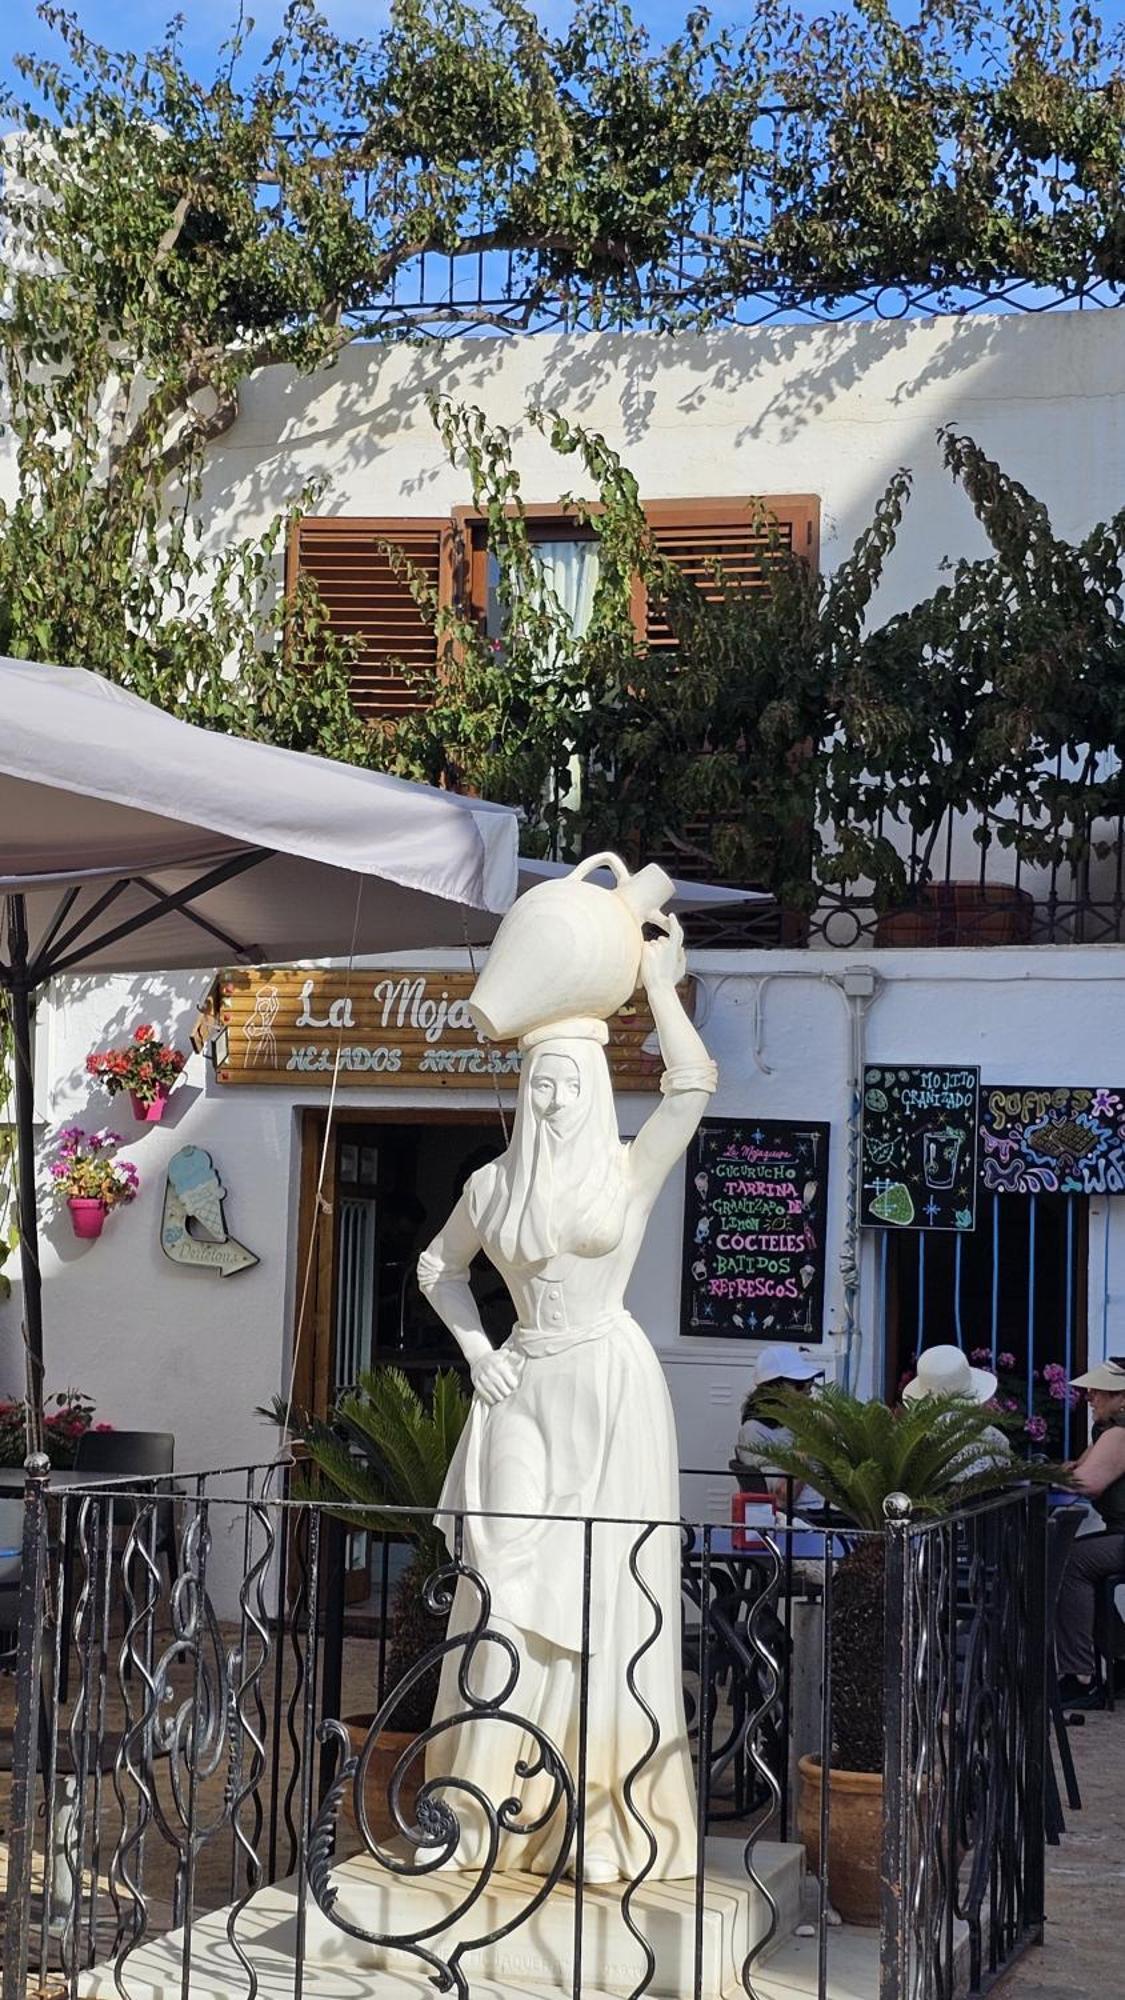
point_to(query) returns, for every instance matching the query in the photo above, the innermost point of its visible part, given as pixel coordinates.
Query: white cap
(945, 1371)
(783, 1364)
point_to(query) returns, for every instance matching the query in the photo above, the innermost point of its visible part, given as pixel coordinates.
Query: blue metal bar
(1068, 1350)
(921, 1289)
(995, 1278)
(957, 1293)
(882, 1287)
(1105, 1278)
(1032, 1223)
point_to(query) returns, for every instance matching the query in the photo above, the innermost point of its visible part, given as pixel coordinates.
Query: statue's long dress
(589, 1432)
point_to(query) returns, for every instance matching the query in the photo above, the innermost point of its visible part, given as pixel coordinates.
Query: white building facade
(829, 413)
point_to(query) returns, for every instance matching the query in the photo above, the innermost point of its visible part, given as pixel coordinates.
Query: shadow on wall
(830, 409)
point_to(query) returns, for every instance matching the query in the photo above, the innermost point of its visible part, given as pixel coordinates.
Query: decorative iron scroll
(434, 1831)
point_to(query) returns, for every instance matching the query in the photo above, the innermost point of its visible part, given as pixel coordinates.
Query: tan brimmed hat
(1107, 1375)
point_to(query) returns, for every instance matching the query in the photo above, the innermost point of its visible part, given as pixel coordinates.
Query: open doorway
(390, 1182)
(395, 1186)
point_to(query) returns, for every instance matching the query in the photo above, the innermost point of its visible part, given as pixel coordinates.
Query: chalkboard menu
(1043, 1139)
(920, 1148)
(754, 1230)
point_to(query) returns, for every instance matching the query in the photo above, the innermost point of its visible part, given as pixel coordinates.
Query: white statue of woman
(571, 1421)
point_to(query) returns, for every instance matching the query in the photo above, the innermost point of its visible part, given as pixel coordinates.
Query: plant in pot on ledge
(145, 1067)
(87, 1181)
(386, 1447)
(939, 1451)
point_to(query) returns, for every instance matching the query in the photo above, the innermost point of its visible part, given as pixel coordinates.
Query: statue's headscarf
(556, 1192)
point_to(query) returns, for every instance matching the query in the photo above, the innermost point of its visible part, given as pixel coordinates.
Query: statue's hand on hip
(495, 1376)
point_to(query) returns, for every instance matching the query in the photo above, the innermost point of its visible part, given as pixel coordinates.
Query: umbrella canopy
(139, 842)
(130, 841)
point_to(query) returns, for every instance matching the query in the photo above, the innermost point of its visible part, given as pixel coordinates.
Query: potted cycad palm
(939, 1452)
(386, 1447)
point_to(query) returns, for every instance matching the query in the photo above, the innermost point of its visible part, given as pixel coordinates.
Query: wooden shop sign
(392, 1026)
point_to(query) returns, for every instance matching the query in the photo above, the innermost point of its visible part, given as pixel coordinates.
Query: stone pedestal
(537, 1959)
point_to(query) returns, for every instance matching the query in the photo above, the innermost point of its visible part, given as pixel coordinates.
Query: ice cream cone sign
(193, 1228)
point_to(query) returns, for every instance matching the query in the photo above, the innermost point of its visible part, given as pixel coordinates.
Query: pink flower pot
(149, 1114)
(87, 1216)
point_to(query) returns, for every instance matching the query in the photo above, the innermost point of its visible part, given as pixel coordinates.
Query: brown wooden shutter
(347, 560)
(698, 534)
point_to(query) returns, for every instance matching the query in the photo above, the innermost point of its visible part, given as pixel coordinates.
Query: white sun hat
(945, 1371)
(783, 1364)
(1109, 1375)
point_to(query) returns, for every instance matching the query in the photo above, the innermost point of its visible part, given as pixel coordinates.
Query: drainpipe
(859, 986)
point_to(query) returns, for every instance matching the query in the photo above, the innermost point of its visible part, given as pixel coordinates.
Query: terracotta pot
(960, 913)
(855, 1836)
(376, 1789)
(568, 948)
(87, 1216)
(149, 1114)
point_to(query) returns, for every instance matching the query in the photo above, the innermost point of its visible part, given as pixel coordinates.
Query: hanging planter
(147, 1068)
(149, 1111)
(88, 1182)
(87, 1215)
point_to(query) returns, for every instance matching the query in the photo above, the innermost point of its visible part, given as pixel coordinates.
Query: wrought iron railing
(957, 890)
(194, 1814)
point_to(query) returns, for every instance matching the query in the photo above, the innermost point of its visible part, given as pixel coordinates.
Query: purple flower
(1053, 1371)
(980, 1354)
(1059, 1390)
(1036, 1428)
(1010, 1403)
(1005, 1360)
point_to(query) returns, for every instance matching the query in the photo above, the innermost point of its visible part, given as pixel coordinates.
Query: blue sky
(138, 23)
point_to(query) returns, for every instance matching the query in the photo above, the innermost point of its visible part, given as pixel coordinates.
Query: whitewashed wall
(831, 411)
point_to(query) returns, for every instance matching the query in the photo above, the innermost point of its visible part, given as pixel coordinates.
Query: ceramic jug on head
(569, 948)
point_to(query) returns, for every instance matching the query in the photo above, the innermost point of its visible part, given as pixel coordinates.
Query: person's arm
(1101, 1464)
(690, 1076)
(443, 1274)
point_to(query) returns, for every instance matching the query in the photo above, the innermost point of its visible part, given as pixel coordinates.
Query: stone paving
(1083, 1956)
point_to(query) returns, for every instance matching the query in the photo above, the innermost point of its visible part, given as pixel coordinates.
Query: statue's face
(555, 1090)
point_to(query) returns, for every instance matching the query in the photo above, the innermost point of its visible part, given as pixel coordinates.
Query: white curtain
(571, 570)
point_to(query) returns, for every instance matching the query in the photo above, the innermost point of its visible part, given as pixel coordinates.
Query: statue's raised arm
(690, 1076)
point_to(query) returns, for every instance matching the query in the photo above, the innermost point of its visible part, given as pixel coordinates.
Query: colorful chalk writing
(754, 1230)
(1048, 1139)
(919, 1166)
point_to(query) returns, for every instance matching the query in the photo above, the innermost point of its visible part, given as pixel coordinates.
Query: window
(364, 596)
(347, 559)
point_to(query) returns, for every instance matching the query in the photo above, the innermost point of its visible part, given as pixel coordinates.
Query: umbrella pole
(25, 1157)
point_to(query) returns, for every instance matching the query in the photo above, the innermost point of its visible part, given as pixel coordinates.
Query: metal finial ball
(897, 1507)
(37, 1465)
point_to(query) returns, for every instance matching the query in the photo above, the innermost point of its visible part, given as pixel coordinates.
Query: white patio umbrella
(130, 841)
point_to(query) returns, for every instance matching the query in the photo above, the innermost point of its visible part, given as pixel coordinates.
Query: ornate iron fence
(194, 1814)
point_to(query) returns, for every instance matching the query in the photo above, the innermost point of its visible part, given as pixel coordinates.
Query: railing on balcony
(191, 1816)
(959, 890)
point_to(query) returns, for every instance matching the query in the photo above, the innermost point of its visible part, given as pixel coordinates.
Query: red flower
(143, 1033)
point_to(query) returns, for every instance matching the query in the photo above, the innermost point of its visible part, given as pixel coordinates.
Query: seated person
(759, 1435)
(1100, 1475)
(946, 1371)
